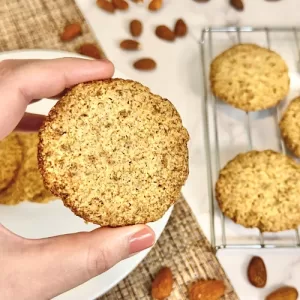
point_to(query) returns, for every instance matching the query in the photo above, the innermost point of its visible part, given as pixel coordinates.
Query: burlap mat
(37, 24)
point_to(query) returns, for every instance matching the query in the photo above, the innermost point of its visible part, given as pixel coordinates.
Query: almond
(257, 272)
(137, 1)
(90, 50)
(237, 4)
(136, 28)
(130, 45)
(155, 5)
(165, 33)
(106, 5)
(180, 28)
(283, 293)
(71, 31)
(162, 284)
(120, 4)
(207, 290)
(145, 64)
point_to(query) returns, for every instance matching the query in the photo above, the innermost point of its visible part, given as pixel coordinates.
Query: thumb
(58, 264)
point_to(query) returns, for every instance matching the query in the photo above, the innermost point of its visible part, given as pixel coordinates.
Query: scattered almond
(162, 284)
(90, 50)
(136, 27)
(180, 28)
(155, 5)
(165, 33)
(71, 31)
(237, 4)
(106, 5)
(257, 272)
(138, 1)
(283, 293)
(130, 45)
(207, 290)
(120, 4)
(201, 0)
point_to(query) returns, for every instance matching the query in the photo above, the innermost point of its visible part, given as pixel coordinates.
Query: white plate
(43, 220)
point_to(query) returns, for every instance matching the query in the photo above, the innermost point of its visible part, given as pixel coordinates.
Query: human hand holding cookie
(63, 261)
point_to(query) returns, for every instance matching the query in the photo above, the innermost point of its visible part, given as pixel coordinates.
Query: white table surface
(178, 78)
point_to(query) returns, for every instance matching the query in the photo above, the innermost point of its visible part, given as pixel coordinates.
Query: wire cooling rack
(254, 129)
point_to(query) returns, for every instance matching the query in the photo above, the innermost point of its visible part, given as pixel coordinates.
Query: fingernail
(141, 240)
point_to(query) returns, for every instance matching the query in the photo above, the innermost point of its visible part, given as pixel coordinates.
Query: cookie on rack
(290, 126)
(28, 183)
(115, 153)
(261, 189)
(10, 160)
(249, 77)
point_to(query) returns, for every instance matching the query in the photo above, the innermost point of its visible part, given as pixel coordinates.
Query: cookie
(261, 189)
(249, 77)
(28, 184)
(290, 126)
(10, 160)
(115, 153)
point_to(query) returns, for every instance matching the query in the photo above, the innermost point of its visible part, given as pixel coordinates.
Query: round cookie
(10, 160)
(115, 153)
(290, 126)
(249, 77)
(261, 189)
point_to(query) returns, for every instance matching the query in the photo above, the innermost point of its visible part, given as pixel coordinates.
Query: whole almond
(136, 28)
(207, 290)
(90, 50)
(155, 5)
(165, 33)
(120, 4)
(130, 45)
(145, 64)
(201, 0)
(162, 284)
(180, 28)
(257, 272)
(71, 31)
(106, 5)
(283, 293)
(237, 4)
(137, 1)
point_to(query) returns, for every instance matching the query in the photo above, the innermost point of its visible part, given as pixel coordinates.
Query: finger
(30, 122)
(65, 262)
(23, 81)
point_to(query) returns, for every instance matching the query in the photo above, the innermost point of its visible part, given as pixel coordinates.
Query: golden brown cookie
(114, 152)
(290, 126)
(249, 77)
(261, 189)
(10, 160)
(28, 184)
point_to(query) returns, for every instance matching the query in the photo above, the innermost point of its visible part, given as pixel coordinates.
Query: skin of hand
(44, 268)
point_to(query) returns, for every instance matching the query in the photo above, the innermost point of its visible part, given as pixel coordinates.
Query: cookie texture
(10, 160)
(249, 77)
(261, 189)
(115, 153)
(290, 126)
(28, 184)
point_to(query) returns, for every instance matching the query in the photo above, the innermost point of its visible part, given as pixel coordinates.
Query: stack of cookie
(259, 188)
(20, 179)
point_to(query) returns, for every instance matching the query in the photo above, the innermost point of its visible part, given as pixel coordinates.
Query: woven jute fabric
(37, 24)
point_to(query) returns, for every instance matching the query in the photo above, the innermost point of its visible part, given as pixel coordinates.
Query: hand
(45, 268)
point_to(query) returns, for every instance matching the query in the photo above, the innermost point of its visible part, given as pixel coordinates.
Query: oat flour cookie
(261, 189)
(10, 160)
(114, 152)
(28, 184)
(290, 126)
(249, 77)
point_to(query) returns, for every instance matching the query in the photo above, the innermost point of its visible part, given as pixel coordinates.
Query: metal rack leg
(216, 136)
